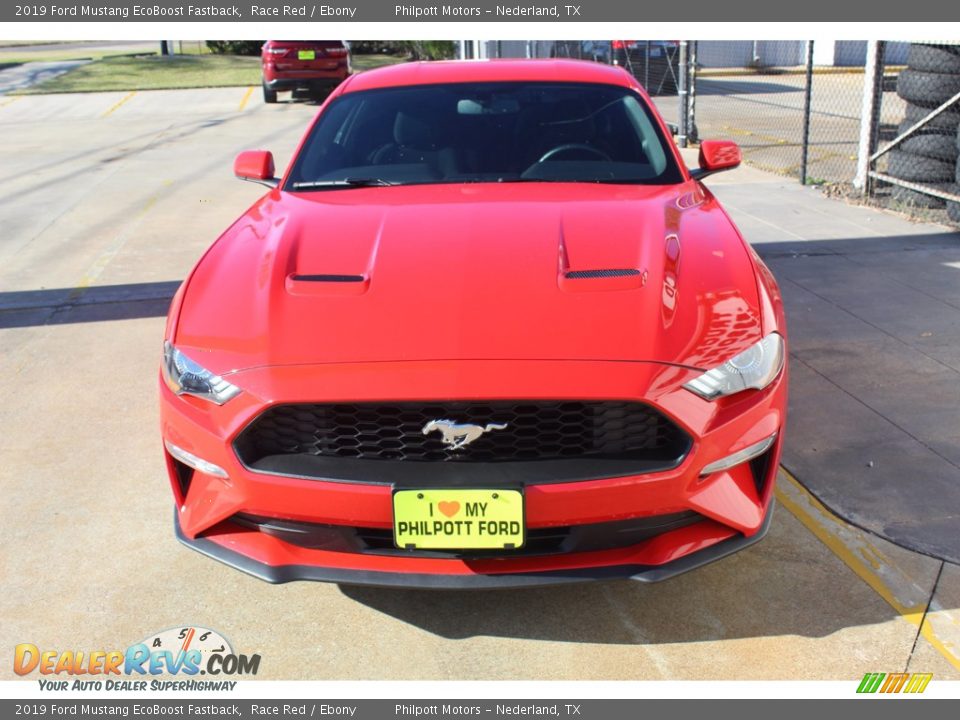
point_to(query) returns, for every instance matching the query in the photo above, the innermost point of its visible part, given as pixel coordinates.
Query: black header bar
(634, 11)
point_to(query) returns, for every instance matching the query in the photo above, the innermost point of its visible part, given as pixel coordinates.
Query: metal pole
(692, 134)
(805, 146)
(646, 66)
(869, 113)
(682, 94)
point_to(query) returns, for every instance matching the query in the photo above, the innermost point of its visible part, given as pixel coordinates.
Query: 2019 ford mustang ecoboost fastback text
(487, 330)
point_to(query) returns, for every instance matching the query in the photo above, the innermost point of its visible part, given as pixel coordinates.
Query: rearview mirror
(716, 156)
(256, 166)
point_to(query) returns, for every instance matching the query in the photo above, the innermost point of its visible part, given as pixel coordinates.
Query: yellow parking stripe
(120, 102)
(10, 101)
(104, 259)
(857, 550)
(246, 99)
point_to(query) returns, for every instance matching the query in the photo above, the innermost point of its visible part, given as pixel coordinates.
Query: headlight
(753, 369)
(185, 377)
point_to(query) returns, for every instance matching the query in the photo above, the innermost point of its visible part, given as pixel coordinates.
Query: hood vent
(309, 284)
(602, 279)
(601, 273)
(329, 278)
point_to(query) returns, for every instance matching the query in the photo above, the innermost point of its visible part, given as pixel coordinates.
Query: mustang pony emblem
(457, 436)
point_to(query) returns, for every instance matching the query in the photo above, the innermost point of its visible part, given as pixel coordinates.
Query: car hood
(475, 271)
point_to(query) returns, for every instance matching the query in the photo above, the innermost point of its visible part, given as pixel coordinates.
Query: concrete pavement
(107, 200)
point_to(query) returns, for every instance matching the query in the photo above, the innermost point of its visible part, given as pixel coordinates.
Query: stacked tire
(953, 208)
(931, 155)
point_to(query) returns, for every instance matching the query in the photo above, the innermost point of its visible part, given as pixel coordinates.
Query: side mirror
(256, 166)
(716, 156)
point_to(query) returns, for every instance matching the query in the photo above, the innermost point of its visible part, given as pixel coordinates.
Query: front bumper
(434, 581)
(735, 505)
(306, 80)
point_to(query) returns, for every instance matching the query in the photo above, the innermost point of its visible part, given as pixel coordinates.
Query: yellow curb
(866, 556)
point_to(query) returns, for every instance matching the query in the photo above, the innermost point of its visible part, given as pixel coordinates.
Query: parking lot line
(10, 101)
(246, 99)
(888, 569)
(104, 259)
(120, 102)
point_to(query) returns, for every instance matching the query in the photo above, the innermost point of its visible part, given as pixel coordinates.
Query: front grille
(592, 537)
(515, 431)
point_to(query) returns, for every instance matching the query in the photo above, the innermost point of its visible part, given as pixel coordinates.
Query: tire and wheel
(930, 157)
(929, 143)
(934, 58)
(953, 208)
(927, 89)
(947, 120)
(269, 96)
(917, 168)
(915, 199)
(953, 212)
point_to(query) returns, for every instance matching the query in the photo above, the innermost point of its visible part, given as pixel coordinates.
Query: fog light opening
(742, 456)
(191, 460)
(184, 475)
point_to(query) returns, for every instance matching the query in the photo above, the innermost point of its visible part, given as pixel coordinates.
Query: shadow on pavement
(59, 306)
(788, 584)
(736, 86)
(874, 417)
(16, 76)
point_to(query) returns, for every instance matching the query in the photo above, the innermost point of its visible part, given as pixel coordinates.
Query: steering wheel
(574, 146)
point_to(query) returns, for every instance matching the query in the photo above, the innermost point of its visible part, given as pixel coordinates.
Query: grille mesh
(535, 430)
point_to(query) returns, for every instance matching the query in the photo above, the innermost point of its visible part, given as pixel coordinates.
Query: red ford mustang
(486, 331)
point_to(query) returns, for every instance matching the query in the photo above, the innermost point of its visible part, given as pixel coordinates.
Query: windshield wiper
(544, 180)
(345, 182)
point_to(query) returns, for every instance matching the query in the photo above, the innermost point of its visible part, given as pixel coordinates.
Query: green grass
(368, 62)
(153, 73)
(15, 55)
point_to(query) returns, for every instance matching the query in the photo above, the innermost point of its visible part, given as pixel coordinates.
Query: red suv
(313, 66)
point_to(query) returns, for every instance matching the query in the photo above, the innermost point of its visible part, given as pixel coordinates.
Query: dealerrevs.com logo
(183, 651)
(894, 683)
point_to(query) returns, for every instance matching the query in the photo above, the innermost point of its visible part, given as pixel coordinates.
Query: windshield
(485, 132)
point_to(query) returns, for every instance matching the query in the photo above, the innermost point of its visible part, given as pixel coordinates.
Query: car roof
(456, 71)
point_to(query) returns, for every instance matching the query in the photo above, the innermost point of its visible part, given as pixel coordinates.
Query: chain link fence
(873, 121)
(914, 162)
(790, 111)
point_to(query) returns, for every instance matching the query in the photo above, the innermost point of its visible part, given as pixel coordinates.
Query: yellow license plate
(306, 55)
(458, 519)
